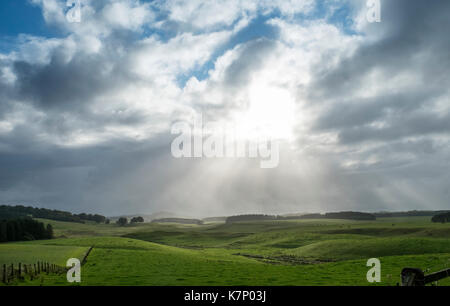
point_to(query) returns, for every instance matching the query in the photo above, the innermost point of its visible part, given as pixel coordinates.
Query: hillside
(274, 252)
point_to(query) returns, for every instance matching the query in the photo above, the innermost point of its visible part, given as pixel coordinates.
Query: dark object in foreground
(416, 277)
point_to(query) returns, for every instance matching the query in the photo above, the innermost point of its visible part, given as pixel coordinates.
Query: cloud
(392, 88)
(197, 14)
(362, 109)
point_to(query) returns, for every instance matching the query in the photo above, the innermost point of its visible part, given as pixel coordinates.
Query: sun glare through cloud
(271, 112)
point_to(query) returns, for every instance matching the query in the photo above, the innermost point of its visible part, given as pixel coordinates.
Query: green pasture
(307, 252)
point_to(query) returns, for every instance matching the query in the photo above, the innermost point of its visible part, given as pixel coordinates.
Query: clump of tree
(19, 211)
(49, 230)
(23, 229)
(137, 220)
(95, 218)
(441, 218)
(122, 221)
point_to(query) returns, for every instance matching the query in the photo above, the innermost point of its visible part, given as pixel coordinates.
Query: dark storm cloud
(5, 106)
(6, 91)
(66, 85)
(88, 178)
(414, 125)
(69, 86)
(357, 112)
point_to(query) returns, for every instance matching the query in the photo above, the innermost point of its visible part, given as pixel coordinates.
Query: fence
(83, 261)
(13, 272)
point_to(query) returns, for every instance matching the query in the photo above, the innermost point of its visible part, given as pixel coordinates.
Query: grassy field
(30, 254)
(309, 252)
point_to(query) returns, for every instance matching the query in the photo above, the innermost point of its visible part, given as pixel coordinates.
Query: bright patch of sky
(257, 28)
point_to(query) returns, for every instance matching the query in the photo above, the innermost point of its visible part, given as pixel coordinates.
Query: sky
(361, 109)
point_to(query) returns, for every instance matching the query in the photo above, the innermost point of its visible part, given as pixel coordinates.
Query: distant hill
(255, 217)
(215, 219)
(178, 220)
(19, 211)
(345, 215)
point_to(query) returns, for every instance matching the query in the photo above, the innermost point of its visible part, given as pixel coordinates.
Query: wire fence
(21, 271)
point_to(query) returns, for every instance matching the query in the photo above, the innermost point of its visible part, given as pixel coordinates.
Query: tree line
(24, 229)
(19, 211)
(350, 215)
(441, 218)
(122, 221)
(412, 213)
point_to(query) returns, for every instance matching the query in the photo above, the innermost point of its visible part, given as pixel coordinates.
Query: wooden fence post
(4, 273)
(8, 273)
